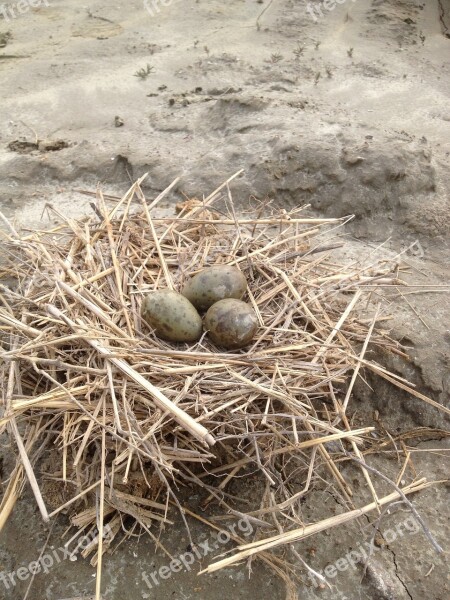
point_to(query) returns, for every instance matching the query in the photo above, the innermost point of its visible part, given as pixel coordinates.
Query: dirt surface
(348, 111)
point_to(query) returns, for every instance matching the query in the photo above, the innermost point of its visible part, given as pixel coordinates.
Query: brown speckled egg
(214, 284)
(172, 316)
(231, 323)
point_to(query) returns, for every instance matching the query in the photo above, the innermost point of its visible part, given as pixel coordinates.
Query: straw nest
(111, 422)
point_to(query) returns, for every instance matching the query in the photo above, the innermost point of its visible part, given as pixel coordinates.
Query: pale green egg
(172, 316)
(214, 284)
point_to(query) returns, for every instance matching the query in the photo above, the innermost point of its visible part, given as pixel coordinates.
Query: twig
(402, 495)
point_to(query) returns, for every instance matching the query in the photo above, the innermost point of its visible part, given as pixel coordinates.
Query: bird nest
(111, 422)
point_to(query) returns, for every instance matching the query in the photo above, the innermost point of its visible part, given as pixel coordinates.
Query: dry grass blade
(304, 532)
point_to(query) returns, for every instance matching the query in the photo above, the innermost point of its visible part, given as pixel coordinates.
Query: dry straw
(110, 422)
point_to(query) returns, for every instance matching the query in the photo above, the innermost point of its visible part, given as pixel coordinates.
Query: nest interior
(112, 423)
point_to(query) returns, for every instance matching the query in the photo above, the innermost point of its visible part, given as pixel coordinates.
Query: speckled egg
(231, 323)
(172, 316)
(214, 284)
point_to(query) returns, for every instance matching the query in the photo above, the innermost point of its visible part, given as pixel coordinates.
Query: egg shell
(231, 323)
(214, 284)
(172, 316)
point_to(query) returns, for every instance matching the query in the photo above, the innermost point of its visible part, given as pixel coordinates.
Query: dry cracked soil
(341, 105)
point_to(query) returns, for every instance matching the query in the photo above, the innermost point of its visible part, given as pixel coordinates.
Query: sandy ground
(348, 111)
